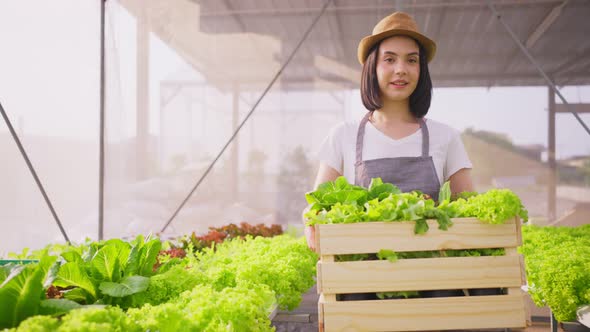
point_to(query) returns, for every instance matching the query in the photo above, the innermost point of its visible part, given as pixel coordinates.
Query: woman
(394, 141)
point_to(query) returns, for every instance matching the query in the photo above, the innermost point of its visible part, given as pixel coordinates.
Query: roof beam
(441, 19)
(416, 6)
(536, 34)
(336, 68)
(545, 24)
(567, 66)
(492, 77)
(339, 32)
(235, 16)
(578, 108)
(581, 60)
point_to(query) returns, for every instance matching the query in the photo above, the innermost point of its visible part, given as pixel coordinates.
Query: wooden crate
(419, 314)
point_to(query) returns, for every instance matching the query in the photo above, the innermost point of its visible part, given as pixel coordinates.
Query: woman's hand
(310, 237)
(325, 174)
(309, 231)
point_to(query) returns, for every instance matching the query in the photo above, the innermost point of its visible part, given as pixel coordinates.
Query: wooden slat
(472, 312)
(327, 259)
(466, 233)
(321, 302)
(527, 311)
(273, 311)
(522, 270)
(514, 253)
(419, 274)
(319, 277)
(518, 224)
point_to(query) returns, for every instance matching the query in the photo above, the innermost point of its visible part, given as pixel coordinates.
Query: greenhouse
(166, 165)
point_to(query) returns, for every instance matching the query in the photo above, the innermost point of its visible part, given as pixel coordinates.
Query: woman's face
(398, 67)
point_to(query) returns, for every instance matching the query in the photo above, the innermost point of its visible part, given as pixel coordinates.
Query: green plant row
(229, 287)
(558, 267)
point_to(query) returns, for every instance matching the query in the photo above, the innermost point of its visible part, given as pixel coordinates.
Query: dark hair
(419, 99)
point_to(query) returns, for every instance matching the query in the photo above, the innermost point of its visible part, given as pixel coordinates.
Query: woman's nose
(400, 68)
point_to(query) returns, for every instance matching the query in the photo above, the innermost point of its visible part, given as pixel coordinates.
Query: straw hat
(398, 23)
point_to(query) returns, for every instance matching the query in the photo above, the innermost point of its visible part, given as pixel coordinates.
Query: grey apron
(407, 173)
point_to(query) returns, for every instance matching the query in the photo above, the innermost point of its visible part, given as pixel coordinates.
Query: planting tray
(17, 261)
(423, 274)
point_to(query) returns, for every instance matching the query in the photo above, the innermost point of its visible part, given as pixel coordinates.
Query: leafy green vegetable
(78, 295)
(57, 307)
(5, 271)
(72, 256)
(148, 257)
(284, 264)
(398, 295)
(38, 324)
(22, 289)
(20, 294)
(109, 272)
(391, 205)
(338, 191)
(241, 308)
(390, 255)
(558, 267)
(105, 264)
(128, 286)
(339, 202)
(379, 190)
(73, 274)
(495, 206)
(464, 195)
(444, 194)
(98, 320)
(168, 285)
(133, 260)
(421, 227)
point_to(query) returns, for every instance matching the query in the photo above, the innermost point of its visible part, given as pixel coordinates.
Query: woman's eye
(388, 60)
(413, 60)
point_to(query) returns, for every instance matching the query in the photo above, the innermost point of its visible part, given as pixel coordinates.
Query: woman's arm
(461, 181)
(325, 174)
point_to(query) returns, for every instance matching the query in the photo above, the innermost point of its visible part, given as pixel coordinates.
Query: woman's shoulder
(441, 130)
(345, 128)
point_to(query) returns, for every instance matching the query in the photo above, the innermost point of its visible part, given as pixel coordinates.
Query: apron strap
(361, 135)
(425, 138)
(360, 138)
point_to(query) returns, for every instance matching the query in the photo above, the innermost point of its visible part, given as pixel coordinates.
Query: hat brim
(368, 42)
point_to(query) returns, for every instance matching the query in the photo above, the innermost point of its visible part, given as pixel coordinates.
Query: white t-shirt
(446, 148)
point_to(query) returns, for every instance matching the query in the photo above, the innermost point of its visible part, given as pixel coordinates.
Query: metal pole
(142, 120)
(102, 125)
(554, 324)
(534, 62)
(249, 114)
(235, 158)
(32, 170)
(551, 192)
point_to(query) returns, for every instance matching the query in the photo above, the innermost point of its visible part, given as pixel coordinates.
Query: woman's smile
(398, 84)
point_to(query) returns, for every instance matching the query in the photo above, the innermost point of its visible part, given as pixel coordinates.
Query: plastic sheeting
(180, 78)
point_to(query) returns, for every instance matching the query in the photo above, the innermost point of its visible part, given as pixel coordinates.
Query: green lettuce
(558, 267)
(108, 272)
(22, 290)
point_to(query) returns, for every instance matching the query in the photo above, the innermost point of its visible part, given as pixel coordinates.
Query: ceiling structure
(474, 49)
